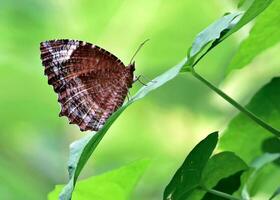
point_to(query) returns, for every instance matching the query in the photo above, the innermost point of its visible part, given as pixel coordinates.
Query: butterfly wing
(91, 82)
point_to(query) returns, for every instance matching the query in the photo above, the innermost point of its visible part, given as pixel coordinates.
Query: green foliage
(210, 34)
(252, 140)
(82, 150)
(251, 137)
(198, 173)
(29, 108)
(117, 184)
(213, 33)
(257, 7)
(220, 166)
(241, 2)
(263, 35)
(248, 178)
(223, 28)
(188, 176)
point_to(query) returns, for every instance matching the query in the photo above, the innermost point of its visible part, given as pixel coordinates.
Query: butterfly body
(91, 82)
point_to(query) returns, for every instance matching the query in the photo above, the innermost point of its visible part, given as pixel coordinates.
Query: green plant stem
(235, 104)
(220, 194)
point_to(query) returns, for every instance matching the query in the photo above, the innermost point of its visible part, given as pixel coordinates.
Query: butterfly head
(131, 67)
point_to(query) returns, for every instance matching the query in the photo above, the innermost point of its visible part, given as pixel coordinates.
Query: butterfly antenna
(138, 49)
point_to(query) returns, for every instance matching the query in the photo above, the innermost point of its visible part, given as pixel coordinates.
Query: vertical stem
(236, 105)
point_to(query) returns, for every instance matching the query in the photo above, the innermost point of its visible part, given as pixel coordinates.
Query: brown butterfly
(91, 83)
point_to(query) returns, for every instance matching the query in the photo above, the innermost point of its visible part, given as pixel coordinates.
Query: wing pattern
(91, 82)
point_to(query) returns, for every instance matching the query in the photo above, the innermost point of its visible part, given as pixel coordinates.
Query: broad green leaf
(226, 185)
(263, 35)
(188, 176)
(276, 193)
(117, 184)
(247, 139)
(242, 135)
(219, 166)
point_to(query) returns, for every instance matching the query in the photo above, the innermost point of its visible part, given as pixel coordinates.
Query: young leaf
(188, 176)
(223, 28)
(211, 33)
(257, 7)
(263, 35)
(219, 166)
(113, 185)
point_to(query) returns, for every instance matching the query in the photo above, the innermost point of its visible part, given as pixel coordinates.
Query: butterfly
(91, 83)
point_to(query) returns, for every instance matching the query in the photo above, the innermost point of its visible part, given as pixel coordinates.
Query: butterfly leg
(137, 78)
(128, 95)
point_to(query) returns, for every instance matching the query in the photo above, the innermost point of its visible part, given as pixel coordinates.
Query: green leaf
(263, 35)
(246, 131)
(248, 178)
(264, 159)
(211, 33)
(223, 28)
(117, 184)
(247, 140)
(276, 193)
(226, 185)
(188, 176)
(241, 3)
(257, 7)
(81, 150)
(219, 166)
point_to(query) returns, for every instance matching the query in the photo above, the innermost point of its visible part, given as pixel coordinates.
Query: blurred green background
(163, 127)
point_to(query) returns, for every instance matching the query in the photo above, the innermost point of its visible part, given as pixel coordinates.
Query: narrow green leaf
(212, 33)
(276, 193)
(264, 159)
(223, 28)
(219, 166)
(188, 176)
(263, 35)
(117, 184)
